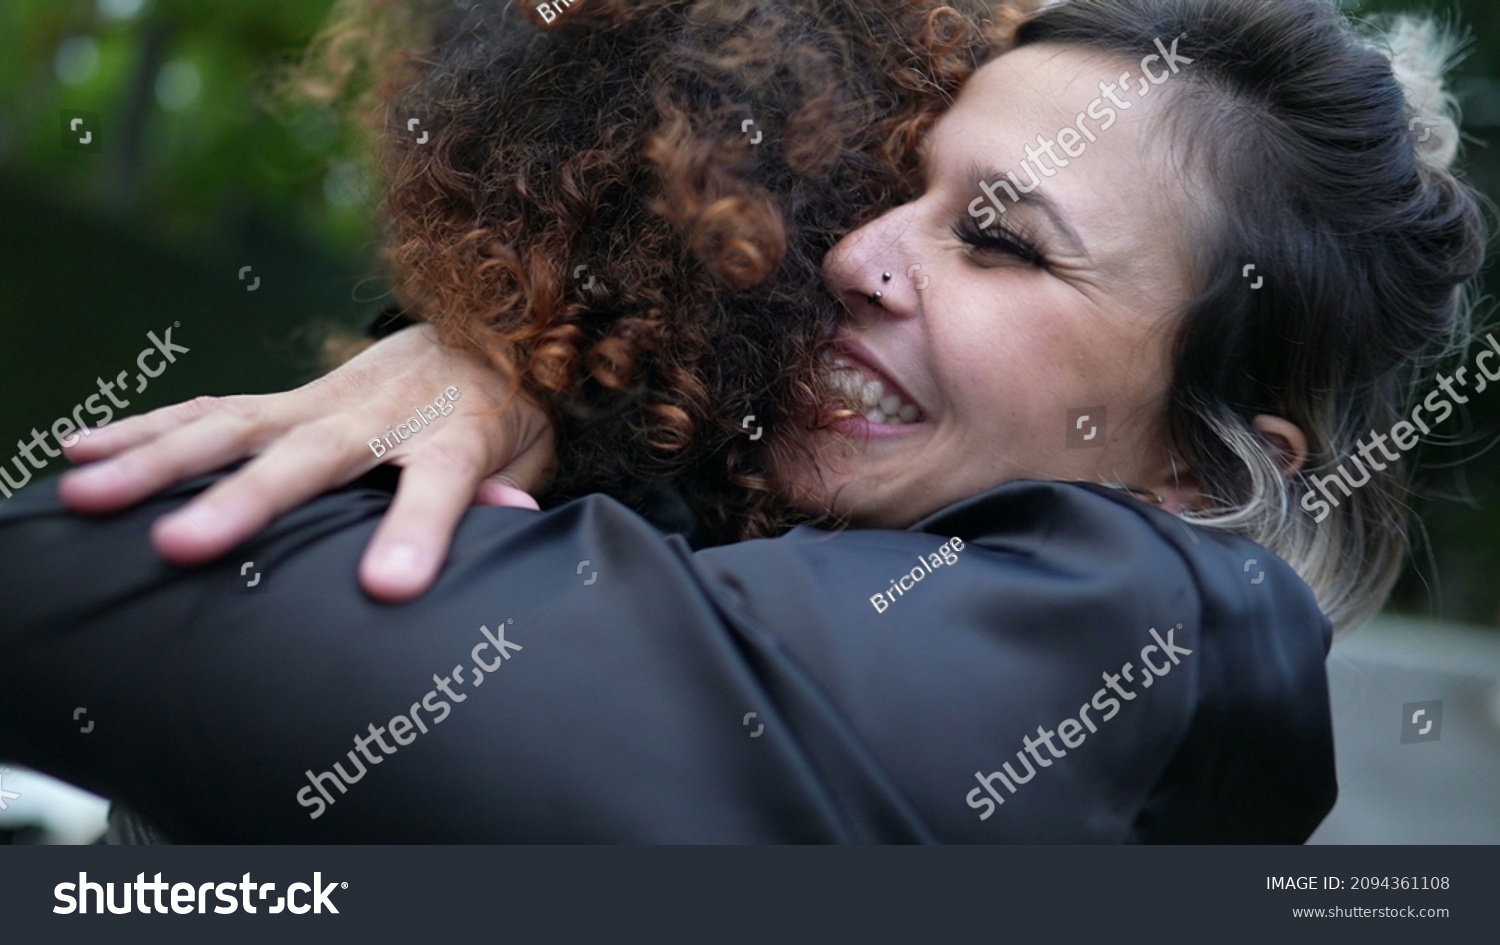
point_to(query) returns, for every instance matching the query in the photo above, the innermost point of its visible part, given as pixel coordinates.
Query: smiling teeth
(868, 395)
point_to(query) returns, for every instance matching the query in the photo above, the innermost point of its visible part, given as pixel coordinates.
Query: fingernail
(524, 500)
(206, 520)
(401, 560)
(95, 476)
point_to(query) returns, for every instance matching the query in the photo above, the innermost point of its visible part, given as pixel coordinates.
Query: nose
(868, 270)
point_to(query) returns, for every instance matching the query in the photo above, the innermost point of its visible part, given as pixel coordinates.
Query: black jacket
(577, 675)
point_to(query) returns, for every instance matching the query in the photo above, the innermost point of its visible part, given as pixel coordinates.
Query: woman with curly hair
(626, 212)
(768, 133)
(1057, 442)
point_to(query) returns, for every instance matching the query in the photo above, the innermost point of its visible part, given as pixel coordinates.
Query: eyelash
(1014, 242)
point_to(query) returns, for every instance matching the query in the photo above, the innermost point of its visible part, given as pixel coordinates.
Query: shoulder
(1230, 580)
(1074, 606)
(1255, 760)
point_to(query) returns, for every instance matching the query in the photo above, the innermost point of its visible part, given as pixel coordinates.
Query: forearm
(211, 701)
(598, 678)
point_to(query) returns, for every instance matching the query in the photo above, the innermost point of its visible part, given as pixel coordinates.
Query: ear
(1286, 438)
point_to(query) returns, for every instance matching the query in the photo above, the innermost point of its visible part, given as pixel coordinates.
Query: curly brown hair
(593, 212)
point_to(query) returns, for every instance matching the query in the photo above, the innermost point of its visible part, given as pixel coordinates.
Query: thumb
(496, 491)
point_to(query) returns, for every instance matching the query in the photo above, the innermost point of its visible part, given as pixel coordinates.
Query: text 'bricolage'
(947, 554)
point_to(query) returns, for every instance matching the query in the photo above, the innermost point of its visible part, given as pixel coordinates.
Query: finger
(106, 441)
(304, 463)
(212, 442)
(516, 485)
(494, 493)
(409, 548)
(523, 477)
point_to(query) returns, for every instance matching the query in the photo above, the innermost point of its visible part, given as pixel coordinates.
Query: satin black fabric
(621, 709)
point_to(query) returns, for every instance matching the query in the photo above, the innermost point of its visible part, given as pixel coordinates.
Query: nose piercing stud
(886, 277)
(877, 297)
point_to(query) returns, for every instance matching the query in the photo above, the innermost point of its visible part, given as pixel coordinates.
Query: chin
(863, 510)
(863, 500)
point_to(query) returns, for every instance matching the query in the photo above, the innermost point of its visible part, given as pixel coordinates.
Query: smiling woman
(1115, 282)
(1059, 306)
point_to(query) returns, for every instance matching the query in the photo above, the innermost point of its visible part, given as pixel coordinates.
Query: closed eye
(1018, 244)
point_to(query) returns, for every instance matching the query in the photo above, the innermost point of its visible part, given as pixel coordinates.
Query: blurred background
(146, 183)
(186, 179)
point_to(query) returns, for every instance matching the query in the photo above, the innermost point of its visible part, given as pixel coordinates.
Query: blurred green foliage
(194, 179)
(183, 88)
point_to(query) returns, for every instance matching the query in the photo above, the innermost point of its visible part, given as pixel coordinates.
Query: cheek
(1014, 368)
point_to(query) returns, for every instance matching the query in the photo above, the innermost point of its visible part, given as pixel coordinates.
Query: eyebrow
(1037, 199)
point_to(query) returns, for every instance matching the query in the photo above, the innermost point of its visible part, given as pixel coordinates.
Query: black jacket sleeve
(576, 675)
